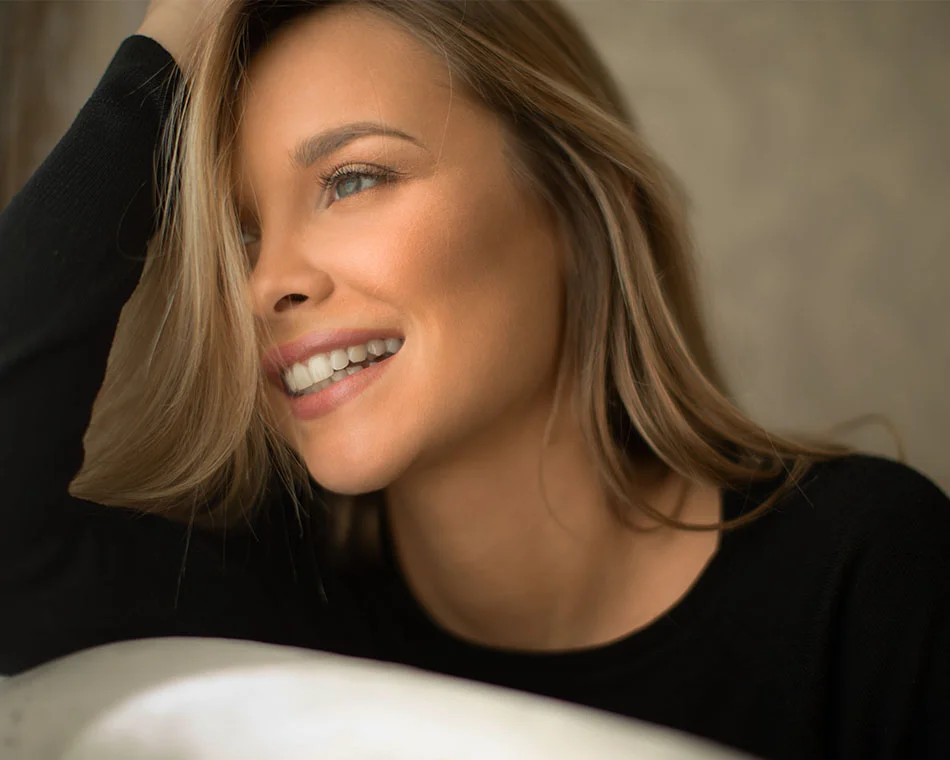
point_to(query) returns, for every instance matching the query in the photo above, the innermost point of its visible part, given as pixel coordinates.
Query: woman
(414, 372)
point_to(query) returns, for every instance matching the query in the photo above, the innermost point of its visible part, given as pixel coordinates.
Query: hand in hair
(173, 24)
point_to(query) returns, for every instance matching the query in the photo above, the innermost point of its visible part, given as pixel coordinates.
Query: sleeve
(894, 653)
(72, 248)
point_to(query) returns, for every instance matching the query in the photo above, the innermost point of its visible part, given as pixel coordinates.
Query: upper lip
(286, 355)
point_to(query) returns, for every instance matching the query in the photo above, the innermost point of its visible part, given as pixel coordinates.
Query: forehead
(341, 65)
(351, 33)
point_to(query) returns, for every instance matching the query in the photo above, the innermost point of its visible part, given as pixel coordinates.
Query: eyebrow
(311, 149)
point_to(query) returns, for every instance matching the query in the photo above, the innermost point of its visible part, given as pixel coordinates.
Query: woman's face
(422, 235)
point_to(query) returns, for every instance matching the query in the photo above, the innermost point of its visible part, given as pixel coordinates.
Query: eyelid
(354, 167)
(328, 182)
(384, 173)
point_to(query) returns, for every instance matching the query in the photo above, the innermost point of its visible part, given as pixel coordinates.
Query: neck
(512, 544)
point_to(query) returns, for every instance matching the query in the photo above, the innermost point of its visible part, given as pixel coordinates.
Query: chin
(351, 475)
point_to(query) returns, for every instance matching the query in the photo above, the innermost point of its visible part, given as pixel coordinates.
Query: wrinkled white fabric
(209, 699)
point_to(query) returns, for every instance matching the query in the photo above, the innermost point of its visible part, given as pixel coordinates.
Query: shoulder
(886, 597)
(876, 477)
(868, 497)
(859, 519)
(882, 532)
(858, 498)
(859, 524)
(856, 554)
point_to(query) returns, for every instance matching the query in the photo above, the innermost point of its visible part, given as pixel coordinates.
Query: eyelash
(346, 171)
(330, 180)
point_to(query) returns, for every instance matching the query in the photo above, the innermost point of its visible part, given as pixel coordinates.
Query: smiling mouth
(320, 371)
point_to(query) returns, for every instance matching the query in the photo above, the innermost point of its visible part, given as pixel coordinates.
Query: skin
(172, 23)
(466, 264)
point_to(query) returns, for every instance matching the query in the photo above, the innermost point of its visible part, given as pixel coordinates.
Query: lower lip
(315, 405)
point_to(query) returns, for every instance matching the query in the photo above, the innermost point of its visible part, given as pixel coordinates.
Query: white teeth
(356, 354)
(339, 359)
(301, 377)
(322, 370)
(319, 367)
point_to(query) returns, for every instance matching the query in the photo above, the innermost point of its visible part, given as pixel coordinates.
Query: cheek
(477, 276)
(481, 253)
(499, 264)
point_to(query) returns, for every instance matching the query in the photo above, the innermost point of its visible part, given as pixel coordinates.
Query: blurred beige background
(814, 138)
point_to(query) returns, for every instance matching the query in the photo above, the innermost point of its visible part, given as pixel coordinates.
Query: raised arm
(72, 248)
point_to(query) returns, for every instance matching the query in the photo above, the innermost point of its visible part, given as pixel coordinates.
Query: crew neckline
(426, 643)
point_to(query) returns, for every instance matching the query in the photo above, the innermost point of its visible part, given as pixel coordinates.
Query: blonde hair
(182, 426)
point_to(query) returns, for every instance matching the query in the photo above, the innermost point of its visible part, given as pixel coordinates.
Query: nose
(284, 279)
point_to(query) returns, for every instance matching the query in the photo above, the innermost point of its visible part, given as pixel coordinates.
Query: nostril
(291, 299)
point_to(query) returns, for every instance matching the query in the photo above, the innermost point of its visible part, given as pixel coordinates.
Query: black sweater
(821, 630)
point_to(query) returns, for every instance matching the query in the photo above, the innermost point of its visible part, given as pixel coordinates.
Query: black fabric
(821, 630)
(74, 574)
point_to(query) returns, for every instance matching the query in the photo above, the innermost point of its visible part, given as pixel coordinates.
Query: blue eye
(352, 183)
(352, 179)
